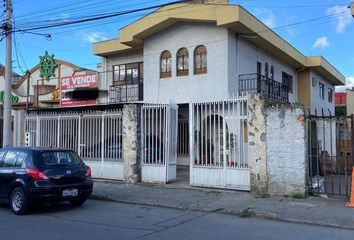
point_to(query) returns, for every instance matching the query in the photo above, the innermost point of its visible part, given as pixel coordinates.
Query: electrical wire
(18, 52)
(97, 17)
(72, 17)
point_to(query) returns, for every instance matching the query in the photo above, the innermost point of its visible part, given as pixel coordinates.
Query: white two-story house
(201, 50)
(195, 52)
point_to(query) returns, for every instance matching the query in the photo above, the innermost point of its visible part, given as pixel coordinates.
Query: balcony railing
(261, 84)
(126, 93)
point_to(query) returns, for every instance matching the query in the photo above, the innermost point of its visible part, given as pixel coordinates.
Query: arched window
(165, 64)
(182, 62)
(200, 60)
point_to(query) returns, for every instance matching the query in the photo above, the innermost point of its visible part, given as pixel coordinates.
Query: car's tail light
(88, 171)
(36, 174)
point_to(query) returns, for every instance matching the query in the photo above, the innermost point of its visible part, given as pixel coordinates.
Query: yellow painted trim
(304, 83)
(323, 67)
(233, 17)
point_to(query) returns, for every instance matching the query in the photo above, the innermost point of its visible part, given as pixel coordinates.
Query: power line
(55, 7)
(298, 6)
(71, 17)
(98, 17)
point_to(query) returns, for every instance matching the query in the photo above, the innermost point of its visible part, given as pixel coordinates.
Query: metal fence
(219, 144)
(95, 136)
(330, 154)
(272, 89)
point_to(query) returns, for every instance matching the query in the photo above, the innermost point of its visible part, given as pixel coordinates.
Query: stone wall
(277, 147)
(257, 150)
(131, 143)
(286, 150)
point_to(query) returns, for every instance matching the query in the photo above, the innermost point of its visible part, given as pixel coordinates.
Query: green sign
(15, 99)
(47, 66)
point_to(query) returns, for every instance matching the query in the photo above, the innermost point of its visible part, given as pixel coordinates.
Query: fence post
(38, 133)
(102, 145)
(131, 147)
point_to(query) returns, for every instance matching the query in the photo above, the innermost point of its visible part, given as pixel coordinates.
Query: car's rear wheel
(18, 201)
(77, 201)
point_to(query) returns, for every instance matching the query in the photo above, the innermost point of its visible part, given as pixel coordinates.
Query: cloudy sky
(317, 27)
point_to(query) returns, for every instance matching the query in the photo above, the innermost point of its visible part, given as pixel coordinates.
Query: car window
(10, 159)
(63, 158)
(20, 161)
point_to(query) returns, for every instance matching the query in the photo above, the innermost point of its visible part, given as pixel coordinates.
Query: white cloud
(350, 80)
(343, 16)
(266, 16)
(90, 37)
(321, 42)
(350, 84)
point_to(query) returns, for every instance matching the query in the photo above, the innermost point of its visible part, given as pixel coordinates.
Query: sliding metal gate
(159, 142)
(219, 144)
(95, 136)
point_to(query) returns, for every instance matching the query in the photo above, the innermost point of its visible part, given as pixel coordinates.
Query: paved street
(106, 220)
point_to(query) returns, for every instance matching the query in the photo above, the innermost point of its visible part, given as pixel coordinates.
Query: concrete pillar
(257, 151)
(131, 143)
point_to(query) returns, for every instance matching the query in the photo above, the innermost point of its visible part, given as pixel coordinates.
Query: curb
(258, 215)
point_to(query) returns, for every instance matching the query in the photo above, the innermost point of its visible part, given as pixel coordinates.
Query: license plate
(70, 192)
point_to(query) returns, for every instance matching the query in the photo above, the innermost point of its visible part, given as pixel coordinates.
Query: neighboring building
(341, 99)
(33, 91)
(350, 101)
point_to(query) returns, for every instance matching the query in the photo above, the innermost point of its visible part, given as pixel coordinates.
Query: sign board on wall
(68, 84)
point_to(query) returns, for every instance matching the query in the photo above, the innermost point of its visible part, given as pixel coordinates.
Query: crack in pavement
(172, 226)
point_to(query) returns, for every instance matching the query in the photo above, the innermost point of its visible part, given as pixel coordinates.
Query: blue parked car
(42, 175)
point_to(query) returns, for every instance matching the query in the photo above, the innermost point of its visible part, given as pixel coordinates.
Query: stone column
(257, 151)
(131, 143)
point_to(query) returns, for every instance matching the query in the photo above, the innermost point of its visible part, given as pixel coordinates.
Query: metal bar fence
(96, 136)
(330, 154)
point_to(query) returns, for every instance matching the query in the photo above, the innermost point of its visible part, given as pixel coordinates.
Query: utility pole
(8, 76)
(352, 8)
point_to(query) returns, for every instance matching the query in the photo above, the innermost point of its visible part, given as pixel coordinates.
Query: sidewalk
(313, 210)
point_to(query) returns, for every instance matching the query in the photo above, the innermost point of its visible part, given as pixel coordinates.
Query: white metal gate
(95, 136)
(219, 144)
(159, 142)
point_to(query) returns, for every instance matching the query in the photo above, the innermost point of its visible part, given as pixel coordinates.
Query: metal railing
(125, 93)
(258, 83)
